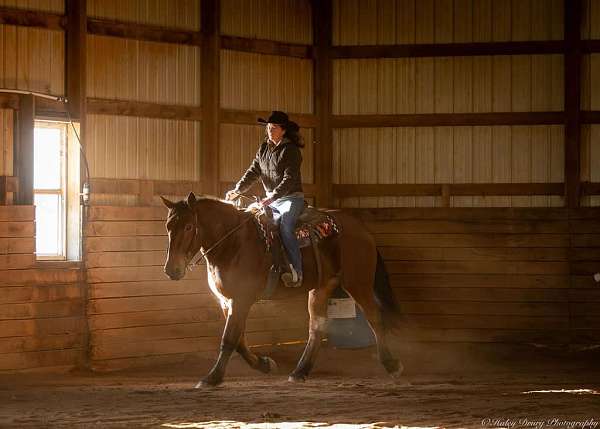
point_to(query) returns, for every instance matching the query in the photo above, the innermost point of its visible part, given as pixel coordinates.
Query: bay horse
(238, 267)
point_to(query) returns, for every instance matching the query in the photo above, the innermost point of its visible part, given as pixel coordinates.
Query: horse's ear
(167, 203)
(191, 199)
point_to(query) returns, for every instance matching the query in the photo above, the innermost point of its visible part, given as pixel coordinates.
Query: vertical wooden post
(3, 191)
(76, 58)
(210, 87)
(572, 102)
(24, 158)
(146, 193)
(446, 197)
(322, 13)
(75, 84)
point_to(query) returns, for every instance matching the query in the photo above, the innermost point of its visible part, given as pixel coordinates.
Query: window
(56, 192)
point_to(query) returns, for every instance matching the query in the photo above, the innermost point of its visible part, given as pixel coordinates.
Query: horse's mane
(211, 198)
(182, 205)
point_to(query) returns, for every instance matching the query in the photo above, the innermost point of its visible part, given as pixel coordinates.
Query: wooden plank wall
(41, 323)
(148, 71)
(584, 294)
(126, 147)
(505, 276)
(56, 6)
(475, 84)
(590, 99)
(506, 83)
(486, 154)
(32, 59)
(137, 316)
(129, 147)
(185, 14)
(380, 22)
(284, 20)
(265, 82)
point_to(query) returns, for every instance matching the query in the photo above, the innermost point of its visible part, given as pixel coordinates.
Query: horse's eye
(188, 227)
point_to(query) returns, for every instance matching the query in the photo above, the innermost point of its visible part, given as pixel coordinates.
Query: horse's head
(182, 224)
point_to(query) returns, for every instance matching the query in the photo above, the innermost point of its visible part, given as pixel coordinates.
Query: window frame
(62, 192)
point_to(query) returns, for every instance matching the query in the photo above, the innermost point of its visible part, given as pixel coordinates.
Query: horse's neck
(217, 218)
(223, 219)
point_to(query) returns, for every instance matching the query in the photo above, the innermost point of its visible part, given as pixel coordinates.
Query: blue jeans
(285, 213)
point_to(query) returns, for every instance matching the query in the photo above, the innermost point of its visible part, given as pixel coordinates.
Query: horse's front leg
(234, 328)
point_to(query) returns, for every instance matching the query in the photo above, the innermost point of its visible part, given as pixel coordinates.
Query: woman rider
(277, 165)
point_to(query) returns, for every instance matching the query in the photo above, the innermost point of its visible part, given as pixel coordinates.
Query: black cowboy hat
(277, 117)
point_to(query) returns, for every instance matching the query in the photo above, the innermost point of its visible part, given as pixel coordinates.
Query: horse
(238, 267)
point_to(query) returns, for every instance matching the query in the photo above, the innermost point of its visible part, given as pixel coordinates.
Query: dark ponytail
(292, 132)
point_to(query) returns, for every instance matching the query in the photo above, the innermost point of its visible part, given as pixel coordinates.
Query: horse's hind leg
(365, 299)
(317, 308)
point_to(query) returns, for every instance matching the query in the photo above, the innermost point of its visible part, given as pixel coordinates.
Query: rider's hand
(231, 195)
(253, 207)
(265, 202)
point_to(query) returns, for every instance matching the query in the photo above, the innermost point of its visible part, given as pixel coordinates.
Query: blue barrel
(351, 333)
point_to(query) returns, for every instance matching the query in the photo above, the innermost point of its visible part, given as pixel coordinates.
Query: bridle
(200, 254)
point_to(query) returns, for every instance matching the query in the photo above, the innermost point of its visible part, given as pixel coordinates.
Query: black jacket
(278, 167)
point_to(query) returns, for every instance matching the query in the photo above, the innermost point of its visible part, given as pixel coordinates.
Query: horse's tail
(385, 297)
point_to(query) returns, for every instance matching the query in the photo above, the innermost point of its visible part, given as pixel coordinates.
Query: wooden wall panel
(134, 310)
(143, 148)
(502, 276)
(138, 316)
(520, 83)
(238, 147)
(41, 322)
(590, 17)
(32, 59)
(281, 20)
(585, 259)
(590, 100)
(6, 142)
(501, 154)
(590, 160)
(143, 71)
(56, 6)
(122, 147)
(590, 88)
(384, 22)
(266, 82)
(184, 14)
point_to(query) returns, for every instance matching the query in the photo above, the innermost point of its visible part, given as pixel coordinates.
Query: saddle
(312, 227)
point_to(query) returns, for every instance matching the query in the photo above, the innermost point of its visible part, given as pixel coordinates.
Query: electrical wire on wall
(85, 193)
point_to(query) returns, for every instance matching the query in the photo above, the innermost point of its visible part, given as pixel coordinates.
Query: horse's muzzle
(175, 273)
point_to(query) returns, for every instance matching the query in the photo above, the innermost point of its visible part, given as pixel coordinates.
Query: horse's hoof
(397, 376)
(295, 378)
(398, 373)
(208, 382)
(268, 365)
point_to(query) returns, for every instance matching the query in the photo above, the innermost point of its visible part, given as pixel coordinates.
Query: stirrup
(291, 278)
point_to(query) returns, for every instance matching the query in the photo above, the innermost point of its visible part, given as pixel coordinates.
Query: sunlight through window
(49, 189)
(222, 424)
(570, 391)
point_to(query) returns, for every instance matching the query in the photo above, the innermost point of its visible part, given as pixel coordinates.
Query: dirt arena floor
(347, 390)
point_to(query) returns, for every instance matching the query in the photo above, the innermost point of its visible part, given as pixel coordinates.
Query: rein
(202, 254)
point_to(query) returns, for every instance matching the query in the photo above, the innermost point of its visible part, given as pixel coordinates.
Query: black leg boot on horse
(238, 265)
